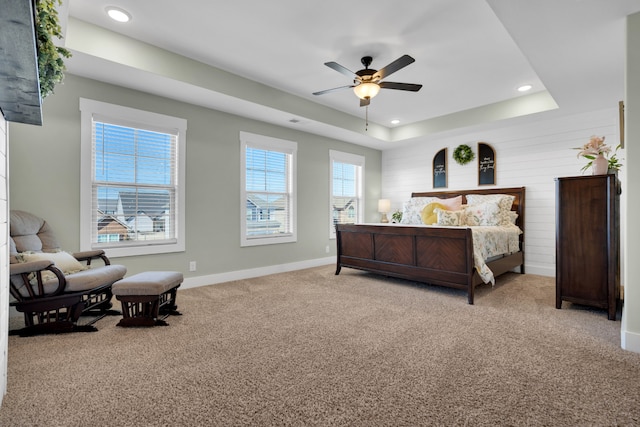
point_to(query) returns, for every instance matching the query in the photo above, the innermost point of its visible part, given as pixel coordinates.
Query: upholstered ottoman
(148, 298)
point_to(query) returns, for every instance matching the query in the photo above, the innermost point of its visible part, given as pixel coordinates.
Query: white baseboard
(628, 340)
(539, 270)
(212, 279)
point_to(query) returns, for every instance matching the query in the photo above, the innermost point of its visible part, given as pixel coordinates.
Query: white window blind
(346, 202)
(135, 184)
(268, 190)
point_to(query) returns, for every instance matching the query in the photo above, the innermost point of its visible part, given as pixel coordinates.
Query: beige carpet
(310, 348)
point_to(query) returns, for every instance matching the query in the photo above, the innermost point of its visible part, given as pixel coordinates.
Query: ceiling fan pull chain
(366, 119)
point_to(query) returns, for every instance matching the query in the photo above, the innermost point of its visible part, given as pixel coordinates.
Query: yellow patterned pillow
(428, 215)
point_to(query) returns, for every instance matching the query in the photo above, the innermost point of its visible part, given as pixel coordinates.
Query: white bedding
(491, 241)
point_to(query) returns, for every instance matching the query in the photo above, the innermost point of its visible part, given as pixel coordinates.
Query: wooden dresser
(588, 241)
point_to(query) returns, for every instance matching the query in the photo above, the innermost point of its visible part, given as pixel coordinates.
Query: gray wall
(45, 170)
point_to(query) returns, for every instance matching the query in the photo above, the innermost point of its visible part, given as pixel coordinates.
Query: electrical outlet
(327, 249)
(192, 266)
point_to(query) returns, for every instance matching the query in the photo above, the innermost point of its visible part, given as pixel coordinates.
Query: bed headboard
(517, 192)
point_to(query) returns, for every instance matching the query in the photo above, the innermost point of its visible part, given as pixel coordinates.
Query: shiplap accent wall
(4, 257)
(529, 155)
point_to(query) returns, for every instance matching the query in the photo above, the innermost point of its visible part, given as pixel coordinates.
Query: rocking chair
(54, 288)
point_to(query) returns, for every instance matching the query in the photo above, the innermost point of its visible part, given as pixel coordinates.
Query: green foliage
(50, 57)
(614, 163)
(463, 154)
(396, 216)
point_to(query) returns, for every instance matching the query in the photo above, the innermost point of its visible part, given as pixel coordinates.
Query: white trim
(354, 159)
(141, 119)
(270, 144)
(213, 279)
(628, 340)
(538, 269)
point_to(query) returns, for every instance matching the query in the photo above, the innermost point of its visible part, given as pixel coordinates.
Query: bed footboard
(436, 256)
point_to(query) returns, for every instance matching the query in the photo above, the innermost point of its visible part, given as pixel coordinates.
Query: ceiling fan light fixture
(366, 90)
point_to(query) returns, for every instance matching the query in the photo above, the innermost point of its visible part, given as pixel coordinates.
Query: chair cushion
(31, 233)
(95, 277)
(85, 280)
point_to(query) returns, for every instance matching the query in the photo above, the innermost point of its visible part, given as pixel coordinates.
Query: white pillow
(63, 261)
(504, 201)
(412, 209)
(488, 213)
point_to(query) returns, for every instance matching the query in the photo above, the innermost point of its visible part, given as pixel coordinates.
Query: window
(268, 187)
(132, 187)
(347, 183)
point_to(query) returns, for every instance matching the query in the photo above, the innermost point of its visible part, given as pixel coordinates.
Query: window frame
(139, 119)
(358, 161)
(267, 143)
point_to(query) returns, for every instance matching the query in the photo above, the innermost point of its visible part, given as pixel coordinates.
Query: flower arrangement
(596, 147)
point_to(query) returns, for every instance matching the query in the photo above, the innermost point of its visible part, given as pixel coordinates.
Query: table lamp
(384, 207)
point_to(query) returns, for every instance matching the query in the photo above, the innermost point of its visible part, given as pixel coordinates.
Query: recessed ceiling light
(395, 121)
(524, 88)
(118, 14)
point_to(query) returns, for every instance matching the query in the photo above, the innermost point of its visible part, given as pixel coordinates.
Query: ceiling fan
(368, 82)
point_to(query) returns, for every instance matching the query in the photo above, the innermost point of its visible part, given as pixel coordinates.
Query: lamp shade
(384, 205)
(366, 90)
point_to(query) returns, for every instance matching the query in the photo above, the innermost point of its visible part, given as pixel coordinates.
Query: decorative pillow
(513, 216)
(412, 209)
(504, 201)
(428, 215)
(452, 204)
(483, 214)
(451, 218)
(64, 261)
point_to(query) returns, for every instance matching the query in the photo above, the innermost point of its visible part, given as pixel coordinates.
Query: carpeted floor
(309, 348)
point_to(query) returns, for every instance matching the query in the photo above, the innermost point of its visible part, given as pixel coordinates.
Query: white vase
(600, 165)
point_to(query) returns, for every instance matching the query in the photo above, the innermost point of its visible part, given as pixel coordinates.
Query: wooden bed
(434, 255)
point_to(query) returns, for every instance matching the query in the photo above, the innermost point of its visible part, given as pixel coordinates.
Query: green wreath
(463, 154)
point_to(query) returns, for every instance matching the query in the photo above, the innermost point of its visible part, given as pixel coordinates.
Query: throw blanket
(491, 241)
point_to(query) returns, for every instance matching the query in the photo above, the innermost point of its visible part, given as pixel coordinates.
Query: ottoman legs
(148, 310)
(148, 298)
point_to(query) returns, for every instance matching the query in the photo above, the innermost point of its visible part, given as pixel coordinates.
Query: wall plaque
(440, 169)
(486, 164)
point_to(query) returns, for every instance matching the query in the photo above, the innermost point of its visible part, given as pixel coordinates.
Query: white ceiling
(471, 55)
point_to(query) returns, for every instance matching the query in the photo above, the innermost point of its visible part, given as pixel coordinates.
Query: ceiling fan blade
(339, 68)
(365, 102)
(396, 65)
(400, 86)
(335, 89)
